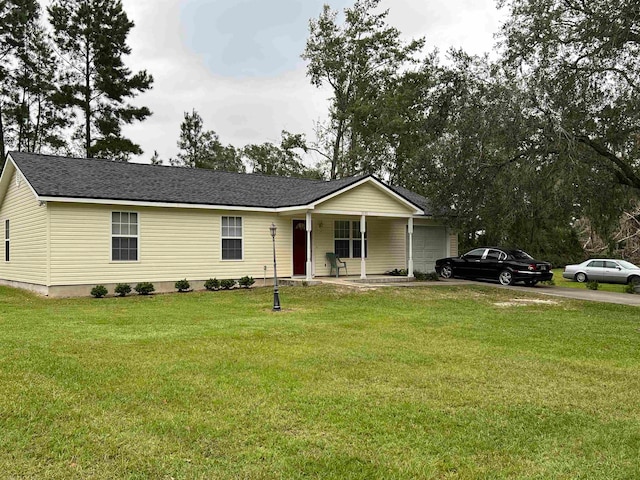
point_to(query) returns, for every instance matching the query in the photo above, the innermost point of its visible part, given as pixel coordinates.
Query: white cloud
(249, 100)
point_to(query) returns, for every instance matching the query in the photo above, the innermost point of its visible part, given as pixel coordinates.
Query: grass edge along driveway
(447, 382)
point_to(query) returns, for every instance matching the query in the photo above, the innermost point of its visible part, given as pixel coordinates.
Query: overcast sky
(237, 62)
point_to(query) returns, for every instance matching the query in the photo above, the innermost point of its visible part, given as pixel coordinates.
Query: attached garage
(429, 244)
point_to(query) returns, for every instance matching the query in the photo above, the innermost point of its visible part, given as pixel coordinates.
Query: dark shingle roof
(54, 176)
(414, 198)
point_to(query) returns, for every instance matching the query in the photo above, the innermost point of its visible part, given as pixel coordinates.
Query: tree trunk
(22, 120)
(37, 143)
(336, 149)
(87, 103)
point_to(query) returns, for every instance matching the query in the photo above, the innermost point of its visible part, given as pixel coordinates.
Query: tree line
(200, 148)
(518, 148)
(63, 82)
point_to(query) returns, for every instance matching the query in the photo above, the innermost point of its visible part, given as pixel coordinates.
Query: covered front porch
(369, 244)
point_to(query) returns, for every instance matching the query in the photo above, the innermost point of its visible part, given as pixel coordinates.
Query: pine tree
(91, 35)
(15, 17)
(200, 148)
(33, 112)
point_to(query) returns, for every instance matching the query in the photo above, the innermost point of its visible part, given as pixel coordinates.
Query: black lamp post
(276, 296)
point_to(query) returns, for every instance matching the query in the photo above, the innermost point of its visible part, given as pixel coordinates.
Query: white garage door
(429, 244)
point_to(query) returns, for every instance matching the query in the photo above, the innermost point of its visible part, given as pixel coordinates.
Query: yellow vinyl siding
(386, 238)
(365, 198)
(28, 235)
(172, 243)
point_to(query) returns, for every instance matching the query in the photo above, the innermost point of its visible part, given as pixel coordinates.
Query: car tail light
(532, 266)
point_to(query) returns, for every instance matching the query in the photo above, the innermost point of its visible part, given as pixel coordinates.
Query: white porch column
(363, 261)
(308, 228)
(410, 262)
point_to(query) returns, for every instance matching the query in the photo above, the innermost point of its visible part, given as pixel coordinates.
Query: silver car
(605, 270)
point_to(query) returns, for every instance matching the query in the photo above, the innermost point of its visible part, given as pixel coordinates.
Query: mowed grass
(560, 281)
(431, 382)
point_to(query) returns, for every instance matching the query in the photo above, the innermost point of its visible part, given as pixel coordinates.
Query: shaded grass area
(560, 281)
(435, 382)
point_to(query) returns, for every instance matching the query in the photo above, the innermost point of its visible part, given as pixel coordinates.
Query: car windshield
(520, 255)
(627, 265)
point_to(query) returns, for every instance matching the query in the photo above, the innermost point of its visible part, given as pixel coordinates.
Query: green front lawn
(560, 281)
(431, 382)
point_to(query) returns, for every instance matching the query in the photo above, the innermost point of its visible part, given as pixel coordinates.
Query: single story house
(72, 223)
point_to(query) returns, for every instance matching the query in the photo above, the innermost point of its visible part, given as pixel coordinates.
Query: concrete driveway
(574, 293)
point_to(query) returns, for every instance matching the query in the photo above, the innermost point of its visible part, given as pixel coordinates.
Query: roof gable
(368, 194)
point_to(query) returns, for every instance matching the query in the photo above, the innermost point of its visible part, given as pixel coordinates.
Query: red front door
(299, 247)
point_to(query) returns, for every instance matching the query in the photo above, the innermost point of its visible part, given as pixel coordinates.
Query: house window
(357, 240)
(342, 238)
(231, 238)
(6, 241)
(347, 242)
(124, 236)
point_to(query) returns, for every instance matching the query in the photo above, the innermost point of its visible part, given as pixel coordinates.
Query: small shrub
(122, 289)
(212, 284)
(629, 288)
(433, 277)
(425, 277)
(397, 273)
(99, 291)
(145, 288)
(246, 282)
(593, 285)
(183, 285)
(551, 282)
(227, 284)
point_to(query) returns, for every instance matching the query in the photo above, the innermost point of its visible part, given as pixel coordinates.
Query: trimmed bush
(145, 288)
(397, 273)
(122, 289)
(246, 282)
(227, 284)
(183, 285)
(99, 291)
(426, 277)
(212, 284)
(593, 285)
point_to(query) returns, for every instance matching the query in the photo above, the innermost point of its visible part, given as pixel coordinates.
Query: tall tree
(200, 148)
(33, 110)
(353, 58)
(91, 35)
(582, 64)
(481, 157)
(15, 18)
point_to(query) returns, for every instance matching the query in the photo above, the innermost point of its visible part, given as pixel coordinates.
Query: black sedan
(492, 263)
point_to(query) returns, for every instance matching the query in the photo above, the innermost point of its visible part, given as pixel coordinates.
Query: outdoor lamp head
(273, 230)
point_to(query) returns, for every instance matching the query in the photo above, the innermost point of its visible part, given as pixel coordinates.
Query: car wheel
(634, 280)
(446, 271)
(531, 283)
(581, 277)
(505, 277)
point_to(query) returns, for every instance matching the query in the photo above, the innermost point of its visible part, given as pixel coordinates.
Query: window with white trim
(124, 236)
(231, 236)
(347, 242)
(7, 241)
